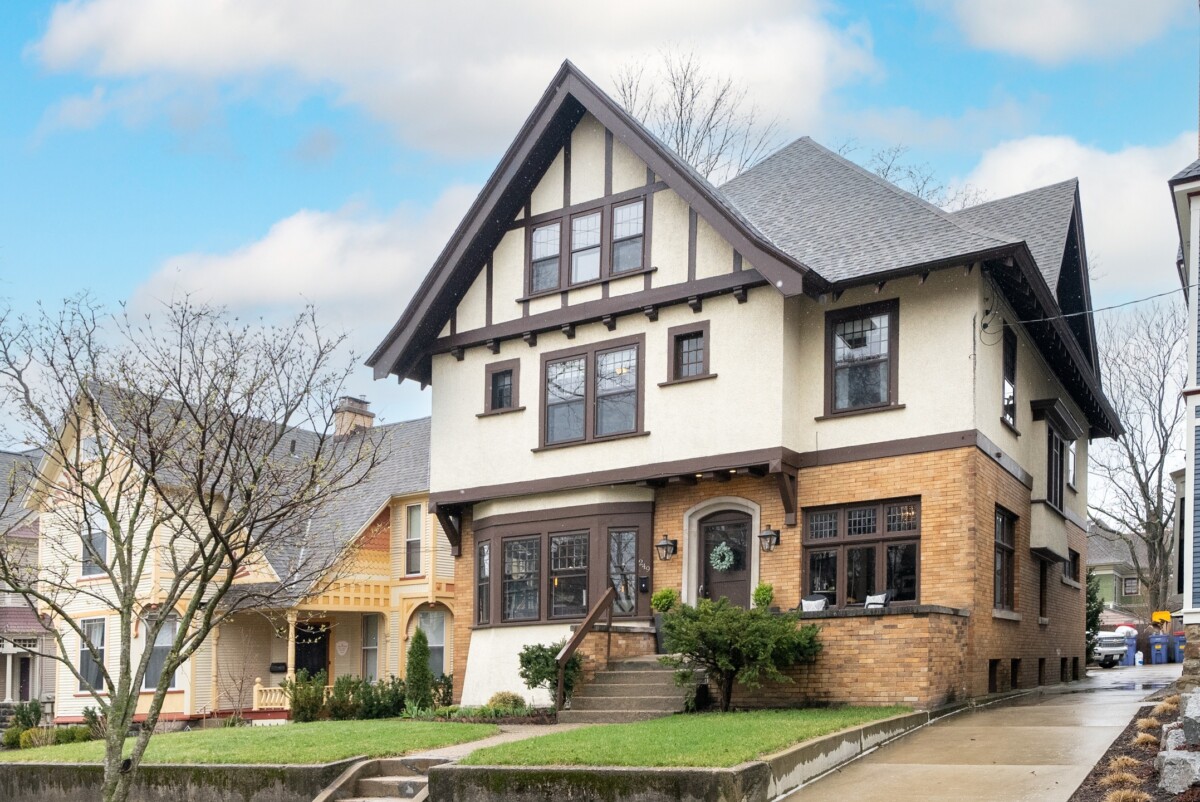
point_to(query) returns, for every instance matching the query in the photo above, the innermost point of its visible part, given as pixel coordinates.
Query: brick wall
(910, 659)
(464, 607)
(624, 644)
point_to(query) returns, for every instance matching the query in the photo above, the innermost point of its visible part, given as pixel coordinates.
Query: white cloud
(451, 76)
(1127, 217)
(357, 267)
(1054, 31)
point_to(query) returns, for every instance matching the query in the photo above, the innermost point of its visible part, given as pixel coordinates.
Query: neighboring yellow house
(396, 574)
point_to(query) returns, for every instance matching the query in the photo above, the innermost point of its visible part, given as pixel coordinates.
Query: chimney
(351, 414)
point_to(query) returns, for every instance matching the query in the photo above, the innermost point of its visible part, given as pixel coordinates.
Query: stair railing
(604, 605)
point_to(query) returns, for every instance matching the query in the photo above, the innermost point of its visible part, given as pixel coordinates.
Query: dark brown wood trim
(648, 281)
(737, 262)
(496, 412)
(673, 335)
(608, 162)
(450, 526)
(835, 316)
(490, 370)
(454, 323)
(1003, 459)
(578, 511)
(788, 495)
(594, 311)
(861, 411)
(692, 225)
(688, 380)
(1056, 412)
(888, 448)
(587, 206)
(487, 315)
(589, 354)
(573, 443)
(567, 171)
(603, 280)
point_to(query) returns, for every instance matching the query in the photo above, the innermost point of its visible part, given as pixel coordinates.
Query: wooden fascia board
(1085, 280)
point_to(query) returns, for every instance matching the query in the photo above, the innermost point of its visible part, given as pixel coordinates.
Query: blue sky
(266, 152)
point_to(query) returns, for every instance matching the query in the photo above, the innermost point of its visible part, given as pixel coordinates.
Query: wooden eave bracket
(788, 483)
(651, 313)
(610, 322)
(457, 353)
(493, 346)
(530, 338)
(451, 523)
(695, 302)
(739, 292)
(569, 330)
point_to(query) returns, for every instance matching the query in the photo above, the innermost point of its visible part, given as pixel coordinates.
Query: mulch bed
(1091, 790)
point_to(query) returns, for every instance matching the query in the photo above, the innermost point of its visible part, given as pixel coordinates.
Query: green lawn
(318, 742)
(709, 739)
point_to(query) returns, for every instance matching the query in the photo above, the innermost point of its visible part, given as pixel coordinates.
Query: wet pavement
(1038, 747)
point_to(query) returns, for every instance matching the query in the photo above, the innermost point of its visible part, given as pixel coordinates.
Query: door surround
(692, 548)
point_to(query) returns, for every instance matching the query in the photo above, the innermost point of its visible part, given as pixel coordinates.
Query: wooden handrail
(564, 655)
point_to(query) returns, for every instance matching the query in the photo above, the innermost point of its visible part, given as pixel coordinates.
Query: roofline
(787, 274)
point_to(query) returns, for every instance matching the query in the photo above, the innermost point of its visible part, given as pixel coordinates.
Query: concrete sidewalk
(1037, 748)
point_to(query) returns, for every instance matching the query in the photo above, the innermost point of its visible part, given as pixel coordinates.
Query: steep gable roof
(847, 223)
(569, 95)
(1041, 217)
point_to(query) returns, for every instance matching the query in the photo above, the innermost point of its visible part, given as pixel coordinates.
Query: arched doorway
(726, 552)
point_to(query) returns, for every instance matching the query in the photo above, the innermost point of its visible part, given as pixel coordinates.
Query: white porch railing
(273, 698)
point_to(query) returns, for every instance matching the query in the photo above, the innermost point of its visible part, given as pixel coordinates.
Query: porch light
(666, 548)
(768, 539)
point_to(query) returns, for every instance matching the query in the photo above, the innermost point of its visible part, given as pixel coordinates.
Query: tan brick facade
(925, 658)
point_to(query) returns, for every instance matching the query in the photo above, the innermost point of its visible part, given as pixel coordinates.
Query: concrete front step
(594, 691)
(661, 704)
(642, 678)
(398, 786)
(408, 766)
(573, 716)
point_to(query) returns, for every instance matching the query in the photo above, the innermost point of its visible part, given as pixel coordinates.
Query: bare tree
(702, 116)
(894, 163)
(187, 460)
(1143, 358)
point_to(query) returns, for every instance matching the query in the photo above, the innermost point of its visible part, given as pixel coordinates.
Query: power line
(1108, 308)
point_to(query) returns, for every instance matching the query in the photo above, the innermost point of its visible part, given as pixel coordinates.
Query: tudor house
(805, 377)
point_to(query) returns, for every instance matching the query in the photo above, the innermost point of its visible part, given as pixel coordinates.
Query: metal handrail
(564, 655)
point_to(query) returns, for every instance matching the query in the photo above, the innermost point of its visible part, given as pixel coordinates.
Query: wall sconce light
(666, 548)
(768, 539)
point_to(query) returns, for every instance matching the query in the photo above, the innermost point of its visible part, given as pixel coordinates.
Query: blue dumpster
(1178, 641)
(1158, 649)
(1130, 651)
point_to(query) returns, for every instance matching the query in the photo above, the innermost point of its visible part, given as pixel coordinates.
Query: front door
(726, 555)
(312, 649)
(24, 678)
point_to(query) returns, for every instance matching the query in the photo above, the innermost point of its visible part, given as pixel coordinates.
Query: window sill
(1073, 583)
(86, 695)
(1006, 615)
(495, 412)
(1010, 426)
(592, 283)
(865, 411)
(593, 441)
(1043, 621)
(91, 578)
(1072, 488)
(687, 380)
(153, 691)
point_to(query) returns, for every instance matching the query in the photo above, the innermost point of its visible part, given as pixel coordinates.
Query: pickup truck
(1110, 649)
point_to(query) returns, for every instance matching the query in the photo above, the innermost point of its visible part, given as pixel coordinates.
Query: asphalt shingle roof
(845, 222)
(1041, 217)
(1191, 171)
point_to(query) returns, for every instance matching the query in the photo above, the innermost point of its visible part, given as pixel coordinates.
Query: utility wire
(1107, 308)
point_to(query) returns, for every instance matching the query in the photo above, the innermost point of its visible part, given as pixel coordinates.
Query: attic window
(627, 234)
(545, 244)
(585, 248)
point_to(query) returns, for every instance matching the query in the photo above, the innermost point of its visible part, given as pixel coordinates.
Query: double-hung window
(593, 394)
(1009, 394)
(568, 575)
(412, 540)
(585, 247)
(94, 555)
(370, 647)
(1071, 566)
(581, 244)
(159, 651)
(861, 345)
(863, 550)
(545, 249)
(628, 236)
(1055, 467)
(91, 657)
(521, 572)
(1005, 551)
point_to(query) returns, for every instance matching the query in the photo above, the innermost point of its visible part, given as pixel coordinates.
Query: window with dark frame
(860, 358)
(861, 550)
(1054, 468)
(1009, 395)
(412, 540)
(502, 386)
(568, 575)
(1071, 566)
(628, 236)
(585, 247)
(1129, 586)
(1004, 574)
(520, 578)
(545, 247)
(622, 569)
(1070, 477)
(483, 583)
(593, 394)
(91, 658)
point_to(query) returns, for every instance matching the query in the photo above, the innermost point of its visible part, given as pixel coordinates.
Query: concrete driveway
(1038, 748)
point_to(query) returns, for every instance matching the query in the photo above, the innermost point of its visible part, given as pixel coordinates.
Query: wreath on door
(721, 558)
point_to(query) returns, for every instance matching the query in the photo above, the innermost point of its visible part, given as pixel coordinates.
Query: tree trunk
(726, 691)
